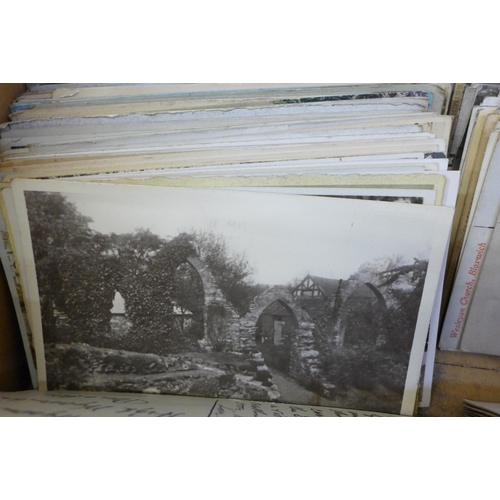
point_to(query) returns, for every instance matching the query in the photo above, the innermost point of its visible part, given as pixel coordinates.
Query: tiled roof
(328, 286)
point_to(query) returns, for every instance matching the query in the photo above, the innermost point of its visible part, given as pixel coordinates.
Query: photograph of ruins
(227, 295)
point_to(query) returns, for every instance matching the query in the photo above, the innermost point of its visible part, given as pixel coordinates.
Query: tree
(401, 284)
(378, 336)
(74, 266)
(138, 246)
(149, 286)
(371, 272)
(135, 253)
(232, 272)
(406, 285)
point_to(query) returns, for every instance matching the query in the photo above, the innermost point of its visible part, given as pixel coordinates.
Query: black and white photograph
(235, 295)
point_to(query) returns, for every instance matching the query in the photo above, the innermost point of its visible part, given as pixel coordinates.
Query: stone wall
(304, 352)
(304, 362)
(214, 295)
(304, 356)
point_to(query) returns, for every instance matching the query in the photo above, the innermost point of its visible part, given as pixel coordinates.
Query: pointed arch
(276, 294)
(380, 298)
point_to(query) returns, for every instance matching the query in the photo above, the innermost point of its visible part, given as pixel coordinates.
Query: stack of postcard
(466, 96)
(481, 409)
(279, 243)
(471, 319)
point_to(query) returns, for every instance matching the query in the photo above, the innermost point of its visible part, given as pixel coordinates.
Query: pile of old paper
(471, 287)
(481, 409)
(282, 243)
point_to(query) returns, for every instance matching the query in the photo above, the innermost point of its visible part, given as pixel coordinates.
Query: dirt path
(292, 392)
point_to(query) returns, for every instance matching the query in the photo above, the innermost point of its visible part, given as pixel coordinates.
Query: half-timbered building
(316, 287)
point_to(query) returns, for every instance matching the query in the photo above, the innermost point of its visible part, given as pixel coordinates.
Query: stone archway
(361, 304)
(216, 304)
(275, 329)
(304, 362)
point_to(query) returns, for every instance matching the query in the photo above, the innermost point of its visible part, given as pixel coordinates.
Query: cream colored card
(100, 404)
